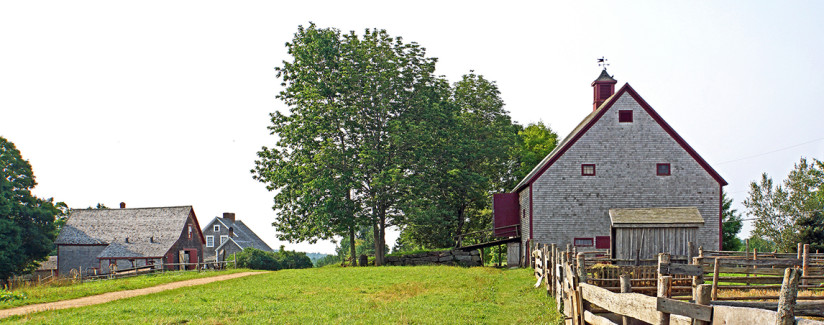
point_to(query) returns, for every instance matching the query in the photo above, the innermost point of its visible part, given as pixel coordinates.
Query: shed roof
(685, 216)
(134, 232)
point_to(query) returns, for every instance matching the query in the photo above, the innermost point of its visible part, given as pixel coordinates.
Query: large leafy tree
(337, 162)
(535, 142)
(459, 165)
(777, 209)
(26, 222)
(731, 224)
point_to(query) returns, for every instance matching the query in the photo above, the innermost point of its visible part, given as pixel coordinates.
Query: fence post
(747, 247)
(799, 251)
(690, 251)
(715, 279)
(703, 297)
(545, 265)
(805, 262)
(582, 268)
(700, 251)
(664, 290)
(697, 280)
(553, 261)
(787, 297)
(626, 287)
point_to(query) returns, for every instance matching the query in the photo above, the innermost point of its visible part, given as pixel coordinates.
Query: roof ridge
(113, 209)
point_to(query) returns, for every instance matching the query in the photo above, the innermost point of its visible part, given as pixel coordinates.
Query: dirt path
(111, 296)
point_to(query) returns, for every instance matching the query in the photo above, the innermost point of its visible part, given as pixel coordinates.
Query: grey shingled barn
(226, 236)
(97, 239)
(622, 180)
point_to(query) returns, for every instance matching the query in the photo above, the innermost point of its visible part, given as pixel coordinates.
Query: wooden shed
(643, 233)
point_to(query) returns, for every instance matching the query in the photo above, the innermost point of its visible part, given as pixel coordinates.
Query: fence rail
(589, 292)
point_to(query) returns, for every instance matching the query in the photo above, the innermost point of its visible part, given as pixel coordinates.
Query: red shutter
(505, 208)
(602, 242)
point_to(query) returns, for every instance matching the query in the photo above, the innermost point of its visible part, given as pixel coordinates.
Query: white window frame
(212, 239)
(216, 228)
(223, 239)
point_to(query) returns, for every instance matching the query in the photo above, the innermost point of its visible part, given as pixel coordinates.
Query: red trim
(530, 211)
(720, 217)
(658, 170)
(197, 226)
(651, 112)
(129, 258)
(587, 165)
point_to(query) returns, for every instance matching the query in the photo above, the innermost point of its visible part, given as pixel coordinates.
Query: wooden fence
(589, 289)
(87, 275)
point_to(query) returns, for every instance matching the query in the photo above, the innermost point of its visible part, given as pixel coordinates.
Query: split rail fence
(590, 288)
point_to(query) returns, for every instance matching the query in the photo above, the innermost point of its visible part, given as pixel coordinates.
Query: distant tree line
(373, 139)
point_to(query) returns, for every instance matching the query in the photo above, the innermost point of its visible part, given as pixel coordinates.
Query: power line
(773, 151)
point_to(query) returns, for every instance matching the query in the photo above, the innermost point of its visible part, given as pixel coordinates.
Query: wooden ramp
(490, 244)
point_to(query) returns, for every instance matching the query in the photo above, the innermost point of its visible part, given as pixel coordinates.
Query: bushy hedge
(256, 259)
(11, 295)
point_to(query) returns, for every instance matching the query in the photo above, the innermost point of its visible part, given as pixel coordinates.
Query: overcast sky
(161, 103)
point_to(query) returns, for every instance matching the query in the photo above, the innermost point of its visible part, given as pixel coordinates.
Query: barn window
(588, 170)
(210, 241)
(602, 242)
(190, 231)
(625, 116)
(223, 239)
(216, 228)
(662, 169)
(583, 242)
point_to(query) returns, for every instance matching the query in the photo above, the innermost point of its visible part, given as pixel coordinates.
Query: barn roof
(243, 236)
(134, 232)
(685, 216)
(593, 117)
(49, 264)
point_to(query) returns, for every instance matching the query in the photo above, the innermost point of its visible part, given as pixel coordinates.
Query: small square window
(216, 228)
(584, 242)
(625, 116)
(662, 169)
(588, 170)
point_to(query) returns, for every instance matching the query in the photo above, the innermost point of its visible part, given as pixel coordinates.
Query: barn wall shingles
(568, 205)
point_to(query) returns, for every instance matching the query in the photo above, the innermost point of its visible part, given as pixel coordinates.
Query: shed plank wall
(652, 241)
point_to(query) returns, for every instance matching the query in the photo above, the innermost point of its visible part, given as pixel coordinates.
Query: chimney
(229, 215)
(602, 88)
(122, 205)
(231, 232)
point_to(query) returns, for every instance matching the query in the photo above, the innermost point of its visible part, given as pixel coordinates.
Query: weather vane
(602, 62)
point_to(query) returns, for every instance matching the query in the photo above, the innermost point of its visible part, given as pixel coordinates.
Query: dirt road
(111, 296)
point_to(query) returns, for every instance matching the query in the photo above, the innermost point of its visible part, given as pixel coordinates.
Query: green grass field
(46, 293)
(370, 295)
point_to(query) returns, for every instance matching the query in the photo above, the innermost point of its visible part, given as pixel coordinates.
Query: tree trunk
(352, 250)
(376, 234)
(459, 230)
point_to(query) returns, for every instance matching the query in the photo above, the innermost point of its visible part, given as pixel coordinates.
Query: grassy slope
(41, 294)
(426, 294)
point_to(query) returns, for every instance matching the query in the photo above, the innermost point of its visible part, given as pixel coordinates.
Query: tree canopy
(731, 224)
(26, 222)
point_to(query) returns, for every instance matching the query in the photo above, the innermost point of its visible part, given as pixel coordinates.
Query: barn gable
(623, 155)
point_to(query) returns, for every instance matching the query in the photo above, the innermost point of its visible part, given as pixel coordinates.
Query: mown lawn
(46, 293)
(370, 295)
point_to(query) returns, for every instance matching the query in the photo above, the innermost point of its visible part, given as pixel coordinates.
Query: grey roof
(658, 216)
(604, 77)
(243, 236)
(151, 232)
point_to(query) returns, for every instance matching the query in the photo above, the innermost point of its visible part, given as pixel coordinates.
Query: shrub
(256, 259)
(11, 295)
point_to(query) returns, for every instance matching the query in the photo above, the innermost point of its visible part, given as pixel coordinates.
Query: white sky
(160, 103)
